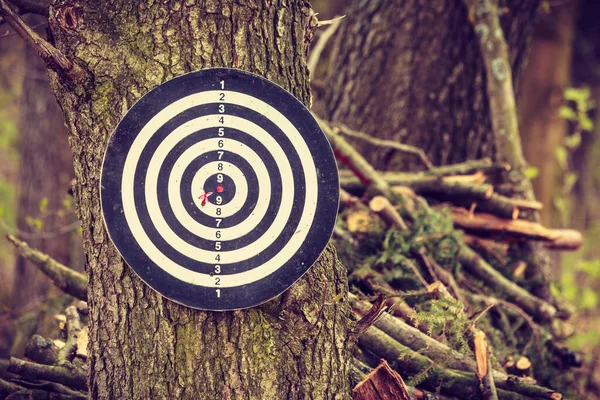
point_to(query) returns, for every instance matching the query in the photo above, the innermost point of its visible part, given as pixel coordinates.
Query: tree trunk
(142, 345)
(547, 75)
(411, 71)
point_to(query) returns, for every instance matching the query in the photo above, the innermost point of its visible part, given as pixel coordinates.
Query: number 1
(222, 84)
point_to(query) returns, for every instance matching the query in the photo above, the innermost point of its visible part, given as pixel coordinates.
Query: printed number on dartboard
(219, 199)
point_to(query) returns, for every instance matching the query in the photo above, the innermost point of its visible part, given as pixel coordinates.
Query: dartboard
(219, 189)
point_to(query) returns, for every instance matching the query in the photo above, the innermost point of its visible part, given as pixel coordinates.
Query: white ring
(211, 204)
(309, 207)
(189, 250)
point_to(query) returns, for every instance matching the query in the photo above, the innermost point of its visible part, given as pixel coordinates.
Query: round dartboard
(219, 189)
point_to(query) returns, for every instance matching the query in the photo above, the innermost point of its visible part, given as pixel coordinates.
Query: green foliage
(8, 132)
(579, 107)
(577, 110)
(532, 172)
(43, 204)
(446, 318)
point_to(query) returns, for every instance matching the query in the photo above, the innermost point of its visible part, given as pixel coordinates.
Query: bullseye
(219, 189)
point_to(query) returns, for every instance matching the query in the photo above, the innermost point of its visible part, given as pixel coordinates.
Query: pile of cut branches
(444, 305)
(441, 293)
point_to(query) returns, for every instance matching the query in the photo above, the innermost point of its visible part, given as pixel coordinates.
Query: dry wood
(382, 207)
(371, 316)
(349, 156)
(473, 179)
(6, 388)
(68, 280)
(66, 376)
(386, 144)
(426, 184)
(73, 326)
(360, 221)
(477, 266)
(377, 284)
(523, 364)
(383, 383)
(41, 350)
(564, 239)
(53, 57)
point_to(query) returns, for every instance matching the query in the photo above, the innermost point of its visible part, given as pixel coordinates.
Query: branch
(434, 185)
(494, 50)
(315, 53)
(40, 7)
(68, 351)
(468, 167)
(451, 188)
(53, 57)
(7, 388)
(462, 384)
(399, 343)
(348, 155)
(484, 365)
(66, 376)
(503, 114)
(41, 350)
(476, 265)
(381, 205)
(386, 143)
(563, 239)
(69, 281)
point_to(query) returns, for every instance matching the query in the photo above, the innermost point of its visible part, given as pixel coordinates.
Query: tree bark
(411, 71)
(141, 344)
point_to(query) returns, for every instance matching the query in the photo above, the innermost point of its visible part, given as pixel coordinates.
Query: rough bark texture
(141, 345)
(412, 71)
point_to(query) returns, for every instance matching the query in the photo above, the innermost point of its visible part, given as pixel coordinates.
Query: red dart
(204, 198)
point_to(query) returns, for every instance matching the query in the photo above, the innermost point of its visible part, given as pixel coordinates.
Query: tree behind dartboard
(142, 345)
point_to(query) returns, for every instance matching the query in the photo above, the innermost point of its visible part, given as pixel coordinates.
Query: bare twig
(315, 54)
(53, 57)
(386, 143)
(68, 280)
(40, 235)
(356, 162)
(333, 20)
